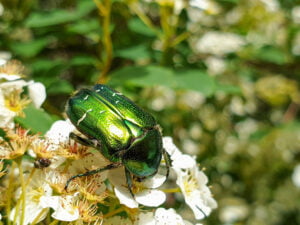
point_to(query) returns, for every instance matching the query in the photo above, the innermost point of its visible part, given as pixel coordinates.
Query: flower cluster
(35, 169)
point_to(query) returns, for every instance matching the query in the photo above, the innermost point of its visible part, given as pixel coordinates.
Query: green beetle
(123, 132)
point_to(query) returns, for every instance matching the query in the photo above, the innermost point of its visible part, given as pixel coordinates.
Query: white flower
(215, 65)
(1, 9)
(219, 43)
(207, 5)
(6, 115)
(37, 93)
(37, 189)
(192, 181)
(296, 14)
(146, 194)
(296, 176)
(271, 5)
(161, 217)
(11, 101)
(65, 207)
(60, 131)
(233, 213)
(193, 184)
(179, 160)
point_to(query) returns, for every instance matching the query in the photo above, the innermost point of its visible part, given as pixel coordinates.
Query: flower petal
(37, 93)
(125, 197)
(155, 181)
(150, 197)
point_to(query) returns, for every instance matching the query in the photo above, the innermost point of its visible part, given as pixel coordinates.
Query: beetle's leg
(91, 172)
(83, 141)
(167, 159)
(129, 181)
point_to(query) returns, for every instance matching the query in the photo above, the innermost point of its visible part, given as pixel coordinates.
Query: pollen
(12, 67)
(15, 103)
(190, 184)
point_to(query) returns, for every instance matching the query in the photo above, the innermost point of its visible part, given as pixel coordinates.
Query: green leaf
(82, 60)
(46, 64)
(228, 89)
(85, 26)
(3, 135)
(148, 76)
(135, 53)
(30, 49)
(37, 120)
(60, 87)
(144, 76)
(136, 25)
(272, 55)
(196, 80)
(58, 16)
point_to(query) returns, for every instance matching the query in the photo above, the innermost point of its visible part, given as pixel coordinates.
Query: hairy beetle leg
(168, 162)
(91, 172)
(129, 182)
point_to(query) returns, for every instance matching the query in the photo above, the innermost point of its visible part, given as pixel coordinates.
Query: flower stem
(171, 190)
(22, 200)
(113, 213)
(9, 193)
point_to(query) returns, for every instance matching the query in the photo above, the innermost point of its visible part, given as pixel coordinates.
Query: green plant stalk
(105, 11)
(168, 33)
(9, 194)
(22, 200)
(145, 19)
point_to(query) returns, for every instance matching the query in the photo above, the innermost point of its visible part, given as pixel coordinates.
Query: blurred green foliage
(235, 108)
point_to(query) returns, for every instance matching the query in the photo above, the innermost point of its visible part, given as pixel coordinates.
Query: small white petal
(154, 182)
(146, 219)
(2, 61)
(296, 176)
(9, 77)
(151, 197)
(60, 131)
(183, 161)
(125, 197)
(168, 216)
(49, 201)
(37, 93)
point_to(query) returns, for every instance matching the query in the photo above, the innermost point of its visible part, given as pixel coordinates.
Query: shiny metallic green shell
(125, 133)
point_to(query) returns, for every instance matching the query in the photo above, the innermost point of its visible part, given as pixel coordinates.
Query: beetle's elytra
(123, 132)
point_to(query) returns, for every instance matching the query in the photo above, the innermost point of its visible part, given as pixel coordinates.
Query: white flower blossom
(296, 14)
(65, 207)
(208, 6)
(37, 92)
(271, 5)
(11, 101)
(233, 213)
(1, 9)
(161, 216)
(59, 131)
(296, 176)
(36, 190)
(219, 43)
(192, 181)
(146, 195)
(215, 65)
(193, 184)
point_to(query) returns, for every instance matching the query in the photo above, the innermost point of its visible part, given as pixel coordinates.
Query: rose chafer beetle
(123, 132)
